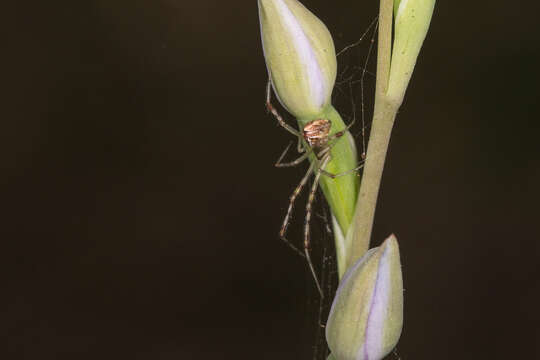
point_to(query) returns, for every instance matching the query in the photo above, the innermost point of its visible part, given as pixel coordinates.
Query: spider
(314, 139)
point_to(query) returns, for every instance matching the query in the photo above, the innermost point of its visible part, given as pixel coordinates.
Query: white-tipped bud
(300, 56)
(366, 318)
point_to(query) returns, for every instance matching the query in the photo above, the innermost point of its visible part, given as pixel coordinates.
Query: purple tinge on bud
(367, 313)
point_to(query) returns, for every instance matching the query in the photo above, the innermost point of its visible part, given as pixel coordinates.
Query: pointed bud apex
(299, 54)
(412, 18)
(367, 313)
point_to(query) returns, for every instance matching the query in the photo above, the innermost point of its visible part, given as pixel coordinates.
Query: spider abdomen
(316, 132)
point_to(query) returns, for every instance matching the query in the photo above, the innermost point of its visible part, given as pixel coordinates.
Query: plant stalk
(383, 120)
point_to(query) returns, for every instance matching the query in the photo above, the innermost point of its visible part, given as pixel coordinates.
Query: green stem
(384, 47)
(383, 121)
(341, 192)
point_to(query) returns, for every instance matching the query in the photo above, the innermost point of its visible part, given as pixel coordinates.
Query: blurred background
(141, 207)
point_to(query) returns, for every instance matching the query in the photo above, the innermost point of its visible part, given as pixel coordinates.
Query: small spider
(315, 138)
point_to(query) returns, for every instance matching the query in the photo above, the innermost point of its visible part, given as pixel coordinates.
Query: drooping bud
(300, 56)
(367, 313)
(411, 20)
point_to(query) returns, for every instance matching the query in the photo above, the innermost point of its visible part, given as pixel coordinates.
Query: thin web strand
(321, 350)
(362, 90)
(359, 41)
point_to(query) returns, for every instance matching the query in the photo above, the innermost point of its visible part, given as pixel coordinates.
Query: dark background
(141, 206)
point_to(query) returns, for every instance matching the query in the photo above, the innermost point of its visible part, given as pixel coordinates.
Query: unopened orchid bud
(367, 313)
(411, 24)
(300, 56)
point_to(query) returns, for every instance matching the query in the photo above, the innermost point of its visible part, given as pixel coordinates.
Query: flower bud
(412, 18)
(367, 313)
(300, 56)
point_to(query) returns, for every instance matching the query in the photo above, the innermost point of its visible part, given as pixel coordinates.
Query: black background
(141, 206)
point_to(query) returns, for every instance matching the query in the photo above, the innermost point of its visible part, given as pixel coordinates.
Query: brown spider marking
(316, 132)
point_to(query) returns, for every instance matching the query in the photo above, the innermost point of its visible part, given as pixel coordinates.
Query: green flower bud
(367, 313)
(412, 18)
(300, 56)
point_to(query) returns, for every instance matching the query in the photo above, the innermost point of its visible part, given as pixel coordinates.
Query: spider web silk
(355, 84)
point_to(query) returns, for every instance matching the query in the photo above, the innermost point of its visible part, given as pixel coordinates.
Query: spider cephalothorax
(316, 132)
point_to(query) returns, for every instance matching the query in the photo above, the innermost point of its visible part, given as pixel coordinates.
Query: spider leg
(309, 205)
(292, 199)
(300, 146)
(283, 153)
(274, 112)
(333, 176)
(292, 163)
(339, 134)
